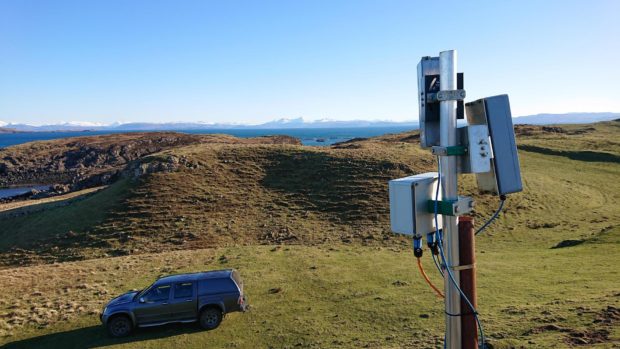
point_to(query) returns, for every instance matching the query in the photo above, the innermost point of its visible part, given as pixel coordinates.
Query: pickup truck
(204, 297)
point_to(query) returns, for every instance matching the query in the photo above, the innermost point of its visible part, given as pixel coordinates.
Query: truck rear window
(214, 286)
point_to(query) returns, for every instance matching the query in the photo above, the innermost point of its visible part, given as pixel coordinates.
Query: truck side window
(215, 286)
(183, 290)
(157, 294)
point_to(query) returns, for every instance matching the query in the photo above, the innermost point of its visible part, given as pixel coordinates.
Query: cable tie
(463, 267)
(462, 314)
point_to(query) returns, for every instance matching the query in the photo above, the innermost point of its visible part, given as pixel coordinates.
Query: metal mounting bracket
(446, 95)
(463, 205)
(451, 95)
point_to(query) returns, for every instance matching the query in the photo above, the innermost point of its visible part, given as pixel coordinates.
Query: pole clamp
(451, 95)
(446, 95)
(463, 205)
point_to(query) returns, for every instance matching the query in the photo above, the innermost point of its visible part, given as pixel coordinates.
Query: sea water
(308, 136)
(10, 192)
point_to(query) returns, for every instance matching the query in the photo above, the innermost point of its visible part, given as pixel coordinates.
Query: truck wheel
(119, 326)
(210, 318)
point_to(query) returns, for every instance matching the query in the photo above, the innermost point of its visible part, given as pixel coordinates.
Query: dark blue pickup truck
(204, 297)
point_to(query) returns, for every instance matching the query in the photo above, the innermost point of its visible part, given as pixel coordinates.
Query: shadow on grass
(97, 337)
(345, 189)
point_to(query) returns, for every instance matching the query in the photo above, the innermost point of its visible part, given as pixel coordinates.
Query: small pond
(10, 192)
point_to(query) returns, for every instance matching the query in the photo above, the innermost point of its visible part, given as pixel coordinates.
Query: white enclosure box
(409, 197)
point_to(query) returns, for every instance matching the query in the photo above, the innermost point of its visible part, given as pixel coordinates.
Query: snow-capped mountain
(284, 123)
(82, 124)
(146, 126)
(568, 118)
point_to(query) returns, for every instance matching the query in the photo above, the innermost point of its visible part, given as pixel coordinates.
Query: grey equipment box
(505, 174)
(428, 86)
(428, 82)
(409, 198)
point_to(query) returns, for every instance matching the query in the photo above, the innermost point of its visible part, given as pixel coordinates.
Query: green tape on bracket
(443, 207)
(456, 150)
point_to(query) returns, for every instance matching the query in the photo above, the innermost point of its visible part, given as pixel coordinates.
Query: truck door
(154, 306)
(183, 305)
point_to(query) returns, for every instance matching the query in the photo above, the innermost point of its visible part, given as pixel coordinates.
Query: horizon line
(78, 123)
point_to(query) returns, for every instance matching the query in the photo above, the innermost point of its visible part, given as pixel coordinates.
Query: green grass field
(342, 296)
(345, 281)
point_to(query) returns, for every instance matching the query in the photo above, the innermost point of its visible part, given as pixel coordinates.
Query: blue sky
(254, 61)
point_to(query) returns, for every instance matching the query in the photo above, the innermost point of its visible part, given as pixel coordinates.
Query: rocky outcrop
(83, 162)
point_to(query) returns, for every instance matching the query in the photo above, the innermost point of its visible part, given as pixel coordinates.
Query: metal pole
(467, 257)
(447, 138)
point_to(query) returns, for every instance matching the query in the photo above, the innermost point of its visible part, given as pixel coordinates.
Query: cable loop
(428, 281)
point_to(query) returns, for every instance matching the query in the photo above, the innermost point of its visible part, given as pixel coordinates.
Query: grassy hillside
(221, 194)
(345, 280)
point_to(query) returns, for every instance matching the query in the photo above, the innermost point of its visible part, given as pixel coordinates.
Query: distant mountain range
(297, 123)
(569, 118)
